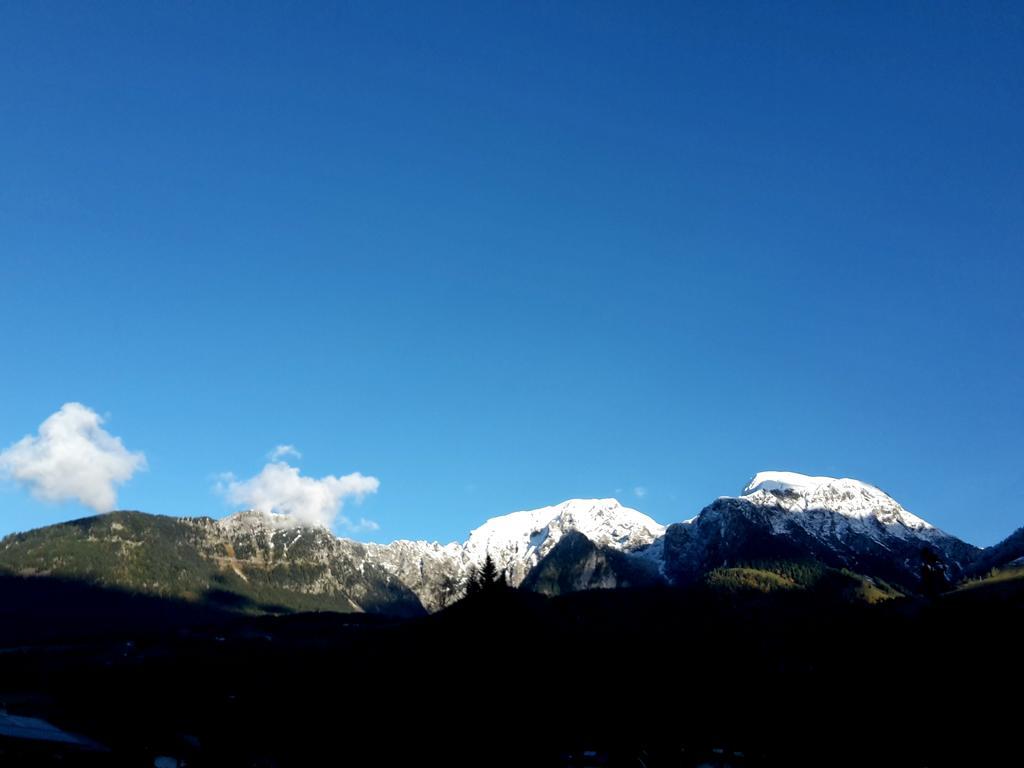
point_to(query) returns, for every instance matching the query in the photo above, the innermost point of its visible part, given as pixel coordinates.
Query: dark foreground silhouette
(655, 677)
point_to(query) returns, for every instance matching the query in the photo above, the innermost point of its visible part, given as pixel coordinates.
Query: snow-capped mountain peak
(516, 542)
(786, 481)
(521, 535)
(840, 522)
(850, 498)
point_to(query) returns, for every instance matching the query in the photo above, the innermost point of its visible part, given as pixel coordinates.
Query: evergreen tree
(486, 579)
(488, 574)
(473, 583)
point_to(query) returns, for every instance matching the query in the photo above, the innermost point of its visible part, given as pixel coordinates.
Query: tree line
(485, 578)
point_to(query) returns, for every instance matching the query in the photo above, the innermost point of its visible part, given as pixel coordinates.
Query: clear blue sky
(502, 254)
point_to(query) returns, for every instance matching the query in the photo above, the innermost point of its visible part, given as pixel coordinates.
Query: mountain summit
(850, 498)
(516, 542)
(840, 522)
(522, 538)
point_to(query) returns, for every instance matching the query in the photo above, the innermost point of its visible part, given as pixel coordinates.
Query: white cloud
(72, 457)
(284, 450)
(640, 491)
(280, 488)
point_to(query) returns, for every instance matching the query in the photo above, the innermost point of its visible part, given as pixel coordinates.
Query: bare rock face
(576, 564)
(436, 574)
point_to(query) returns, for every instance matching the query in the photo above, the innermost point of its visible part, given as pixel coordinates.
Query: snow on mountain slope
(838, 521)
(516, 542)
(779, 515)
(867, 508)
(578, 544)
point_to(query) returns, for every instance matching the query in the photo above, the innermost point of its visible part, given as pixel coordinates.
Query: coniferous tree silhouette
(486, 579)
(488, 574)
(472, 582)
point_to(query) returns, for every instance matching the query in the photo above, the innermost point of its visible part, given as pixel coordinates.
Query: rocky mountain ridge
(261, 561)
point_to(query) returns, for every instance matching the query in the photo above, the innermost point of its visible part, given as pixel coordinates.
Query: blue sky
(497, 255)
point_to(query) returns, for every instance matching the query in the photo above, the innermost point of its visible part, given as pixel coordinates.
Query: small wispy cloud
(284, 450)
(640, 491)
(72, 458)
(283, 489)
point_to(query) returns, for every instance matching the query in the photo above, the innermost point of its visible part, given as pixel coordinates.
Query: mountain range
(784, 531)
